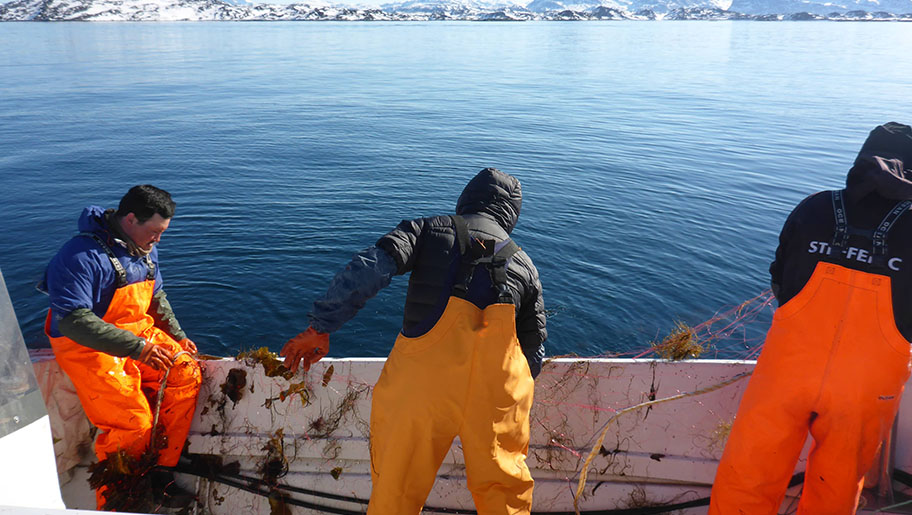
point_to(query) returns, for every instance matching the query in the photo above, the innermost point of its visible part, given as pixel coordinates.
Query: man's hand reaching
(305, 349)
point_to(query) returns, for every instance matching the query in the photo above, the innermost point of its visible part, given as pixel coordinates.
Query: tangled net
(727, 335)
(572, 393)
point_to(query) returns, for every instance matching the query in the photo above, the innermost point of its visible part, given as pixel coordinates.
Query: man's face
(145, 234)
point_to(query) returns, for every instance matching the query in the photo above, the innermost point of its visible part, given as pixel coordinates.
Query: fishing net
(614, 428)
(734, 333)
(601, 427)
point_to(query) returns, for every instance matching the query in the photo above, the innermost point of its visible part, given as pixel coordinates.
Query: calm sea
(658, 159)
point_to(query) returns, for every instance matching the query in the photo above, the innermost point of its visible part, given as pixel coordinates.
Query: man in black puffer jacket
(471, 344)
(837, 355)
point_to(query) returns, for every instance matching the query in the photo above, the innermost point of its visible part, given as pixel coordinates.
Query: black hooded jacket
(427, 249)
(879, 181)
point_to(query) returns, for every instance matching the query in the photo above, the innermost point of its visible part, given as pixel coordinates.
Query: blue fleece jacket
(82, 276)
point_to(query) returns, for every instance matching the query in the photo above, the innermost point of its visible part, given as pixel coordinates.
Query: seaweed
(294, 389)
(275, 465)
(277, 505)
(681, 343)
(327, 375)
(124, 477)
(234, 384)
(125, 481)
(638, 499)
(558, 449)
(324, 426)
(232, 388)
(270, 361)
(720, 435)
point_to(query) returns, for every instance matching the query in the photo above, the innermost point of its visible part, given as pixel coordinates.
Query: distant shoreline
(217, 10)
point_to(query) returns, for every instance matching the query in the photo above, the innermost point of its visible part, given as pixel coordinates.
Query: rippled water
(658, 160)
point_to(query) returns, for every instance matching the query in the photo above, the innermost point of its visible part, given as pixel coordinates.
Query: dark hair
(145, 201)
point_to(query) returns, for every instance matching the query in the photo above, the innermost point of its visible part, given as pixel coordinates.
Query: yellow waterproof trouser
(113, 391)
(834, 364)
(466, 377)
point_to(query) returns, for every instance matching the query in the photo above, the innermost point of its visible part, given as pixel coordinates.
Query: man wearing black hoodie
(464, 362)
(837, 355)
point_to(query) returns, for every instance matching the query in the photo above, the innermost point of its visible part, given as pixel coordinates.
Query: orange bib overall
(466, 377)
(113, 391)
(834, 364)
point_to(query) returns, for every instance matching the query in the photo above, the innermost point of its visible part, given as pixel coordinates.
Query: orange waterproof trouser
(111, 389)
(834, 364)
(465, 377)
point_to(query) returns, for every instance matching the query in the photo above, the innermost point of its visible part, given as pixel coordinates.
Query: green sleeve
(161, 312)
(85, 328)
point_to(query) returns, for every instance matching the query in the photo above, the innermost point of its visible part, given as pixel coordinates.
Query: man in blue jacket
(464, 363)
(114, 334)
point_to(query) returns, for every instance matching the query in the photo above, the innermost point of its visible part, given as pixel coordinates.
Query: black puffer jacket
(879, 180)
(427, 248)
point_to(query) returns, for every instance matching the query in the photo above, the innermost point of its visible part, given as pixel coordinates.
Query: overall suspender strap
(118, 267)
(467, 266)
(150, 268)
(119, 270)
(841, 237)
(498, 270)
(462, 233)
(880, 234)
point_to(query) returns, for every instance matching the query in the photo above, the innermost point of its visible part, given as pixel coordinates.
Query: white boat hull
(664, 454)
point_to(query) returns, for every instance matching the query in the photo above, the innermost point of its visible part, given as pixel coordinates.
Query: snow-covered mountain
(448, 6)
(178, 10)
(483, 10)
(480, 10)
(823, 7)
(660, 6)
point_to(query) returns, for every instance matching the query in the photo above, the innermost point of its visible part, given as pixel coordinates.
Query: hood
(92, 219)
(884, 164)
(495, 194)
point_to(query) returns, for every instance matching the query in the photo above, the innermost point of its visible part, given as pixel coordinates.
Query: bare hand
(156, 356)
(188, 345)
(305, 349)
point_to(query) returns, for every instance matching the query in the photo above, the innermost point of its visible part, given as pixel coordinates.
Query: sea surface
(658, 159)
